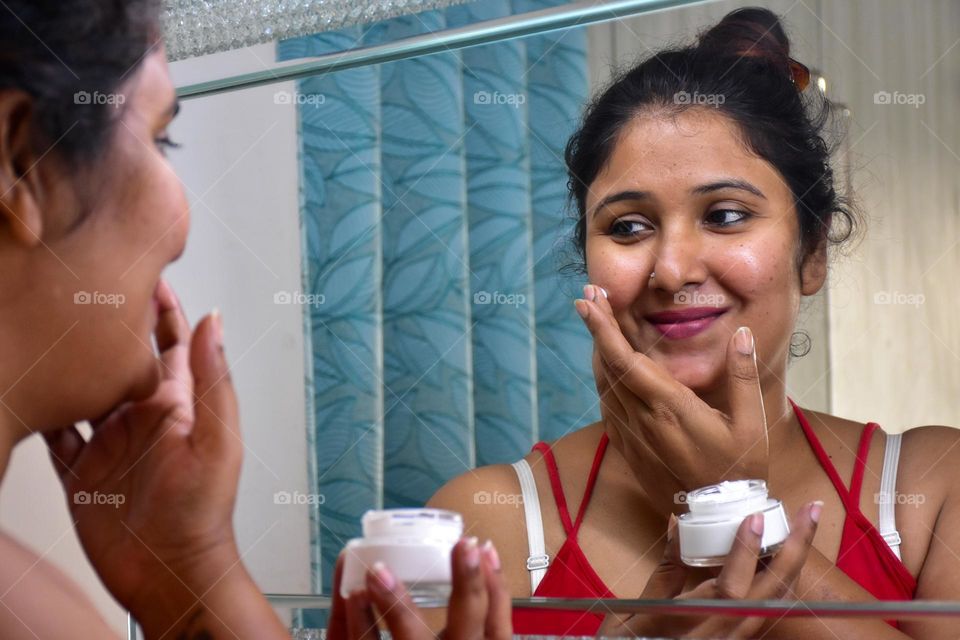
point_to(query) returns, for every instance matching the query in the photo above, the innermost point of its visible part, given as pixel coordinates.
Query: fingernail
(217, 324)
(582, 308)
(604, 292)
(815, 510)
(383, 575)
(756, 524)
(473, 553)
(671, 527)
(744, 341)
(492, 556)
(590, 292)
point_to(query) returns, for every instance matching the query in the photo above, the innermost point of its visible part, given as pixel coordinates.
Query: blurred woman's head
(90, 210)
(707, 166)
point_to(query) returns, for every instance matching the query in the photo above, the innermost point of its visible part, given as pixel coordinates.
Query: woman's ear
(21, 220)
(813, 271)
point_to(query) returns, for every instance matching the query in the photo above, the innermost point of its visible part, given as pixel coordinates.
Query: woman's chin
(146, 383)
(694, 371)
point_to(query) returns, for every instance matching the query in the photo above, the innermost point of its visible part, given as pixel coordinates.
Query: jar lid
(413, 523)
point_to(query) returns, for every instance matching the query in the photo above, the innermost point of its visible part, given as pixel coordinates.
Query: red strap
(591, 481)
(856, 482)
(823, 458)
(554, 473)
(558, 496)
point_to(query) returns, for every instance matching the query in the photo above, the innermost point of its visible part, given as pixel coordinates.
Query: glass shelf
(291, 608)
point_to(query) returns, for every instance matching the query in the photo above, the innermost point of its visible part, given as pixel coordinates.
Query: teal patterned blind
(434, 225)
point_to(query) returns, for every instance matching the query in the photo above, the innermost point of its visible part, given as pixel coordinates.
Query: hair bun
(749, 32)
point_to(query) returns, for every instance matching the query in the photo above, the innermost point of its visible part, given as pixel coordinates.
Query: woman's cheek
(618, 270)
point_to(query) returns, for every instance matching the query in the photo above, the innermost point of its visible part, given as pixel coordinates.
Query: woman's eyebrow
(732, 183)
(173, 109)
(619, 197)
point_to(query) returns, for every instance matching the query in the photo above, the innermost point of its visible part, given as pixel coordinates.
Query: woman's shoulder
(32, 589)
(932, 453)
(497, 485)
(486, 487)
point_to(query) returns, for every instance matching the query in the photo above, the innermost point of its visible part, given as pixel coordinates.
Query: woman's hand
(479, 602)
(671, 438)
(737, 580)
(152, 493)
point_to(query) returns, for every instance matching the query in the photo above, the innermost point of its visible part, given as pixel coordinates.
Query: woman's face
(78, 304)
(682, 197)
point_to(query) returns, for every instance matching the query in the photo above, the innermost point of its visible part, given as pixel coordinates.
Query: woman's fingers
(740, 565)
(361, 623)
(217, 416)
(778, 578)
(743, 385)
(479, 602)
(337, 624)
(773, 582)
(670, 575)
(172, 335)
(395, 605)
(640, 374)
(467, 611)
(499, 625)
(611, 406)
(64, 446)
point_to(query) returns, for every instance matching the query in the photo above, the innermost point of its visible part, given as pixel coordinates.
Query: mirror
(401, 234)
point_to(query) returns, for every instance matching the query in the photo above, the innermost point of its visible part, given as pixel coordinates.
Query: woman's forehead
(152, 91)
(681, 151)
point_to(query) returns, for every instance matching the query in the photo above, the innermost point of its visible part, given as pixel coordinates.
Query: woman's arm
(39, 601)
(820, 579)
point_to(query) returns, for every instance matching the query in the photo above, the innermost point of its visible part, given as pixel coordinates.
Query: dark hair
(65, 55)
(746, 59)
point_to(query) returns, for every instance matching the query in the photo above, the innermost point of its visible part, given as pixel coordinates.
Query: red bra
(864, 555)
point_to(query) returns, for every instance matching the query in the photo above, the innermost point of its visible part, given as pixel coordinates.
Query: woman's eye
(626, 228)
(165, 143)
(727, 217)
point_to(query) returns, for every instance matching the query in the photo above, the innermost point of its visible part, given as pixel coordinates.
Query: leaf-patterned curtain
(434, 225)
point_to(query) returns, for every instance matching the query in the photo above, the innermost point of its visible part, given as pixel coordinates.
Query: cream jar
(415, 544)
(707, 532)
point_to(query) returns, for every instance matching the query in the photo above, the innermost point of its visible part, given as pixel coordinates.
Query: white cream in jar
(707, 532)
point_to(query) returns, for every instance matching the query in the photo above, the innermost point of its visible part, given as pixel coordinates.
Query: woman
(706, 205)
(90, 214)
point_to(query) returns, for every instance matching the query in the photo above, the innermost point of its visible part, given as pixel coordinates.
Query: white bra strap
(888, 496)
(538, 561)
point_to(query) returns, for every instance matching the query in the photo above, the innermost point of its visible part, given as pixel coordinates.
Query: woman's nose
(678, 261)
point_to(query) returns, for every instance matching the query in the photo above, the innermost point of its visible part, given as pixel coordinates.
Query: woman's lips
(686, 324)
